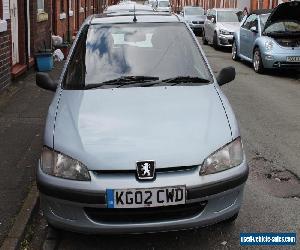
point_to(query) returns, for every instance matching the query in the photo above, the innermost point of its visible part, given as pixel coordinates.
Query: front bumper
(273, 60)
(81, 206)
(196, 27)
(225, 40)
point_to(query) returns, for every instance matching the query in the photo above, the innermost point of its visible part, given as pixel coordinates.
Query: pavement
(23, 109)
(268, 110)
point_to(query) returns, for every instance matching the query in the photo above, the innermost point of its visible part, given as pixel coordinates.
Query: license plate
(293, 58)
(148, 197)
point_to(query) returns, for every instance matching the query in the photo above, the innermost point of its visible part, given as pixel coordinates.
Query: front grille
(286, 65)
(144, 215)
(157, 170)
(197, 22)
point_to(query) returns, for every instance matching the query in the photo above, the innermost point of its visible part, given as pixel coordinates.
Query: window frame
(244, 26)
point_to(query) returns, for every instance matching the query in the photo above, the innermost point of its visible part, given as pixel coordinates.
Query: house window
(40, 6)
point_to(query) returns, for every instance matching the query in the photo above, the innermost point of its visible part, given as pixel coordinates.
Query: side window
(75, 73)
(250, 22)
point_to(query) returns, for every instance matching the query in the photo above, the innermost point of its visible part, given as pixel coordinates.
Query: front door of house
(14, 30)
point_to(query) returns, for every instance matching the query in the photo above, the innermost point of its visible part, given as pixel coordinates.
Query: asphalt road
(268, 110)
(23, 108)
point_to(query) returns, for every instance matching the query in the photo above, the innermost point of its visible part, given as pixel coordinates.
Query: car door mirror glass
(44, 81)
(226, 75)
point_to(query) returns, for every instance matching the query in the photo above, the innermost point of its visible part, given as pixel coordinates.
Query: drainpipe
(68, 22)
(26, 34)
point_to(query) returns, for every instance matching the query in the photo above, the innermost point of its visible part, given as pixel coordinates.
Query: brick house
(266, 4)
(206, 4)
(25, 28)
(68, 15)
(30, 32)
(5, 45)
(241, 4)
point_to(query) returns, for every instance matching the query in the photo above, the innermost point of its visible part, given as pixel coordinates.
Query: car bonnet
(111, 129)
(284, 11)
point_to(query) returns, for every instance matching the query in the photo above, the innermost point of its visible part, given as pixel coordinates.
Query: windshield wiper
(179, 79)
(122, 81)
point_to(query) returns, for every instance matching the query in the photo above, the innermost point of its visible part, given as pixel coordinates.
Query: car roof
(128, 6)
(226, 9)
(261, 12)
(142, 17)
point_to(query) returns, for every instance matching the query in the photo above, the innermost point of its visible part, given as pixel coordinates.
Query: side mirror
(212, 20)
(226, 75)
(253, 29)
(44, 81)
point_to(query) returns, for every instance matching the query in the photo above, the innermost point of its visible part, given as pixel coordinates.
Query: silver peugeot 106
(139, 136)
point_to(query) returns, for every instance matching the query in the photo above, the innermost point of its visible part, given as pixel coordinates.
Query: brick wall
(206, 4)
(43, 36)
(75, 21)
(5, 57)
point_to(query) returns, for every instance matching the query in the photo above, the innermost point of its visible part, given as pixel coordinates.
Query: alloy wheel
(256, 60)
(234, 51)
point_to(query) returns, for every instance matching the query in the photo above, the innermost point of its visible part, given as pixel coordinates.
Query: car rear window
(106, 52)
(194, 11)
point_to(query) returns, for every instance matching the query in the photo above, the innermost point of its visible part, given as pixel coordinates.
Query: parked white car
(220, 25)
(163, 6)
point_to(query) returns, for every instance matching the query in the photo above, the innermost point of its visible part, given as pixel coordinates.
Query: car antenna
(134, 16)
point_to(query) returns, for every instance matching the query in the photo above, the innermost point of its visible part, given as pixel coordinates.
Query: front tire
(257, 61)
(234, 54)
(215, 41)
(204, 41)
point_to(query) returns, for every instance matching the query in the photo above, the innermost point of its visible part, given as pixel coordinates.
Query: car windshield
(283, 26)
(228, 16)
(156, 51)
(163, 3)
(194, 11)
(263, 20)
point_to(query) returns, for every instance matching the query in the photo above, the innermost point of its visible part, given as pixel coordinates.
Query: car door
(253, 34)
(245, 35)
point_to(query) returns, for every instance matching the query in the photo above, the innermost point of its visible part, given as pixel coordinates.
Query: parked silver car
(134, 145)
(220, 25)
(270, 39)
(194, 16)
(163, 6)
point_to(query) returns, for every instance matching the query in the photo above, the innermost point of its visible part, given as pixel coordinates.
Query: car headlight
(59, 165)
(229, 156)
(269, 45)
(224, 32)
